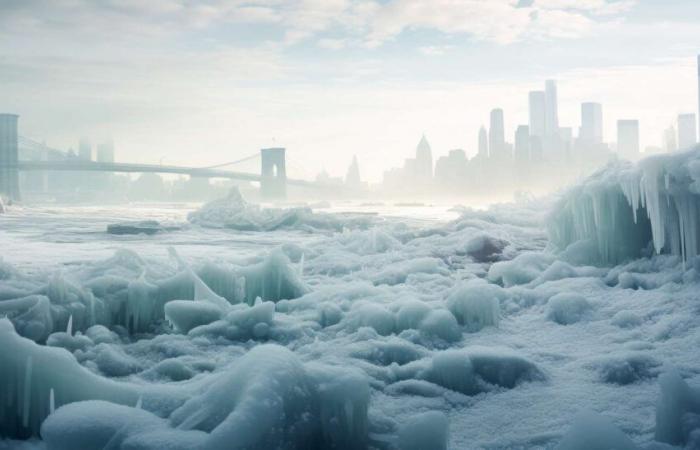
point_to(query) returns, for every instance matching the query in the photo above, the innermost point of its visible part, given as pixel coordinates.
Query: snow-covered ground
(374, 327)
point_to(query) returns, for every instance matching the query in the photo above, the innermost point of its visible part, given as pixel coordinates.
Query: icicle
(301, 265)
(52, 402)
(69, 328)
(139, 402)
(27, 395)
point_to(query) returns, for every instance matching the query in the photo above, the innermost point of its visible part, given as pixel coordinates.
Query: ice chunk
(476, 304)
(273, 279)
(31, 316)
(567, 308)
(592, 431)
(148, 227)
(186, 314)
(626, 368)
(427, 430)
(676, 409)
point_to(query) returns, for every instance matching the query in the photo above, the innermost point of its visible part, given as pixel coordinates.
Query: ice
(678, 412)
(234, 212)
(427, 430)
(476, 304)
(628, 210)
(186, 315)
(567, 308)
(592, 431)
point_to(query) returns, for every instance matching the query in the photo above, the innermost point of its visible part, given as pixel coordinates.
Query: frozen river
(351, 326)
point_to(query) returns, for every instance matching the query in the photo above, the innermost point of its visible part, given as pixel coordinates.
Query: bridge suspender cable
(247, 158)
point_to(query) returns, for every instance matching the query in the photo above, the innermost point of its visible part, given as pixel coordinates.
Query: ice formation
(402, 335)
(629, 210)
(235, 213)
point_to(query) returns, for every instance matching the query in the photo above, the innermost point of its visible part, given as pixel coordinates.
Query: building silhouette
(687, 131)
(628, 139)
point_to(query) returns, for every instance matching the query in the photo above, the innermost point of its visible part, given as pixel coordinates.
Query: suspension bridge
(272, 177)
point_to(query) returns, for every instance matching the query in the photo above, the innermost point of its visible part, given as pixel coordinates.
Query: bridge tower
(9, 172)
(273, 179)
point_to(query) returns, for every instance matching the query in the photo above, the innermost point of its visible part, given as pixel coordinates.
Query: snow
(394, 332)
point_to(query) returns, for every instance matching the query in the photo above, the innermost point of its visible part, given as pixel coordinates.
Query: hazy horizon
(197, 84)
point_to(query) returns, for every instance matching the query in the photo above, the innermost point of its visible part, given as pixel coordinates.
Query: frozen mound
(592, 431)
(473, 370)
(626, 368)
(427, 430)
(37, 379)
(476, 304)
(567, 308)
(127, 291)
(630, 211)
(265, 399)
(236, 213)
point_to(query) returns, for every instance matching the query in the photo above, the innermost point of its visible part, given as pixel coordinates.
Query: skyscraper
(628, 139)
(687, 131)
(591, 123)
(352, 178)
(698, 91)
(483, 143)
(424, 161)
(85, 149)
(522, 144)
(669, 139)
(551, 109)
(497, 139)
(105, 152)
(536, 102)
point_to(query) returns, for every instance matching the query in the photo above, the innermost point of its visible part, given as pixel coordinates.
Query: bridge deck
(79, 165)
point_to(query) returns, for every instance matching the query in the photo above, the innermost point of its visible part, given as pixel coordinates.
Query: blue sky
(203, 82)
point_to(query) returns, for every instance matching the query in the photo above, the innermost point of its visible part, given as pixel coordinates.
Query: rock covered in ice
(136, 227)
(630, 210)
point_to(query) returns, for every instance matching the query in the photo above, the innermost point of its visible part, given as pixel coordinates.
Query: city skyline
(352, 72)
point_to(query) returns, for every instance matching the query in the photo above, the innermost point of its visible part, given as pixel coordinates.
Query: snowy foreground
(530, 325)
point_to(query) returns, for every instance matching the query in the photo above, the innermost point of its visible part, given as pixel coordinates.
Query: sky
(204, 82)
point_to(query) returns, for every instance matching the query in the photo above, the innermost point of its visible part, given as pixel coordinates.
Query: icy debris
(678, 412)
(591, 431)
(398, 272)
(32, 315)
(485, 248)
(423, 431)
(236, 213)
(567, 308)
(631, 210)
(273, 279)
(626, 319)
(476, 304)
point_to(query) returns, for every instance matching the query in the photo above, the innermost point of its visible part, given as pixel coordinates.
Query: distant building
(687, 131)
(423, 170)
(105, 152)
(551, 109)
(497, 139)
(536, 101)
(483, 143)
(352, 178)
(698, 91)
(670, 143)
(450, 170)
(522, 145)
(85, 149)
(591, 123)
(628, 139)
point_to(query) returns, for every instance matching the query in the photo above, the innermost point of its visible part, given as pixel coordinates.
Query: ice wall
(630, 210)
